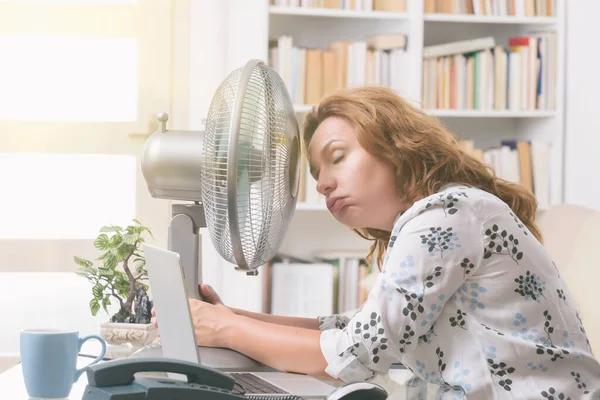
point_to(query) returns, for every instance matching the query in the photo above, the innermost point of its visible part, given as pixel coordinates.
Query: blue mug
(49, 361)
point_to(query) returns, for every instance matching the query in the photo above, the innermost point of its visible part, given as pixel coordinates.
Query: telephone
(114, 379)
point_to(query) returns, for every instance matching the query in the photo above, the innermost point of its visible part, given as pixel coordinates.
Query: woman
(467, 297)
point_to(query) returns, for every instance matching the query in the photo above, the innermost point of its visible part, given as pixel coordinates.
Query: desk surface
(12, 385)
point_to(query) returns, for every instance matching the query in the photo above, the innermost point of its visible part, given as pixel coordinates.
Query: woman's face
(360, 189)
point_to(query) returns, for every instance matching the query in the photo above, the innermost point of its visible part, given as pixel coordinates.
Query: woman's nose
(325, 184)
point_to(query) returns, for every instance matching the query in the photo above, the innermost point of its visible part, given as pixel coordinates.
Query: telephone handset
(115, 379)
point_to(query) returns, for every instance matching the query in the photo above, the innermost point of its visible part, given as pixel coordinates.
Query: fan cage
(261, 132)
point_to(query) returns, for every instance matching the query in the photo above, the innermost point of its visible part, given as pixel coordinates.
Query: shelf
(310, 207)
(491, 113)
(304, 108)
(489, 19)
(335, 13)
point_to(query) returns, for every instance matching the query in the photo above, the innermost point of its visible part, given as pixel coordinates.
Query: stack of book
(313, 73)
(333, 282)
(479, 74)
(350, 5)
(517, 8)
(518, 161)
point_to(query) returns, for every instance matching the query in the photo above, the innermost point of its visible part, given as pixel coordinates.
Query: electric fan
(241, 173)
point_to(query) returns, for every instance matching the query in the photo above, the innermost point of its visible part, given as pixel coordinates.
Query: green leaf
(143, 229)
(82, 262)
(88, 275)
(130, 238)
(94, 307)
(107, 272)
(97, 290)
(101, 242)
(106, 303)
(115, 241)
(123, 251)
(121, 284)
(111, 228)
(136, 221)
(110, 261)
(88, 272)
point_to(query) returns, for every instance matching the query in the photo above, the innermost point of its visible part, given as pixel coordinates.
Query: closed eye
(337, 156)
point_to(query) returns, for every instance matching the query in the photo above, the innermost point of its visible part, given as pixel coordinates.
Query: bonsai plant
(119, 247)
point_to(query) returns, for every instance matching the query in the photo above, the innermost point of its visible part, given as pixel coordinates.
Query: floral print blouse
(468, 299)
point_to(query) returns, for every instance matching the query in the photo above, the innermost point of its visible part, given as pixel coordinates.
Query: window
(65, 196)
(68, 78)
(82, 76)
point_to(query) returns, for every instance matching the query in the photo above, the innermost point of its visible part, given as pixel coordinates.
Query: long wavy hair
(424, 154)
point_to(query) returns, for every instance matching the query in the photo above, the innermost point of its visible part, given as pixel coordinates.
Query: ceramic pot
(137, 335)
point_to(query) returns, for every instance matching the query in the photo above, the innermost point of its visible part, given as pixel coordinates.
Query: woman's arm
(210, 296)
(286, 348)
(305, 323)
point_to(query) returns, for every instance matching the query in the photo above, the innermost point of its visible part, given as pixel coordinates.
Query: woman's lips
(334, 204)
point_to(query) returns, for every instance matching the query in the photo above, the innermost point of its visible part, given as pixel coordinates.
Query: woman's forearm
(286, 348)
(307, 323)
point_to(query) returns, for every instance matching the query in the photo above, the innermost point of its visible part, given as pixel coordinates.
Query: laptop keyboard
(247, 383)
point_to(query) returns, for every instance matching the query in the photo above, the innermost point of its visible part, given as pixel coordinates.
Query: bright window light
(64, 196)
(53, 300)
(64, 78)
(72, 1)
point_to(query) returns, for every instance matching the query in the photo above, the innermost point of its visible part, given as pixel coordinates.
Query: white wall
(582, 141)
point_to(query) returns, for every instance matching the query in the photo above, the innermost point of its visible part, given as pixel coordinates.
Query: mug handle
(102, 352)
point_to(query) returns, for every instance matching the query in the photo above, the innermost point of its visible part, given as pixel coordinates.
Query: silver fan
(241, 173)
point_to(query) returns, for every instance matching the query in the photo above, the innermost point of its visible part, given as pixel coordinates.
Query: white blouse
(468, 299)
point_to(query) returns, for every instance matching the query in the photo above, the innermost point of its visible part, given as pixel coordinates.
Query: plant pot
(137, 335)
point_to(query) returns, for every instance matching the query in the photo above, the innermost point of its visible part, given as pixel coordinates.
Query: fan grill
(267, 170)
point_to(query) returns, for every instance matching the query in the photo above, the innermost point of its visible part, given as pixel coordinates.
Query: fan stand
(185, 239)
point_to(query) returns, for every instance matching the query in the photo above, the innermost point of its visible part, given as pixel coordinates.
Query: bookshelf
(489, 19)
(445, 113)
(335, 13)
(313, 229)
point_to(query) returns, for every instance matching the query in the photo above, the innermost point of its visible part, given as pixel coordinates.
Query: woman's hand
(210, 317)
(212, 323)
(209, 295)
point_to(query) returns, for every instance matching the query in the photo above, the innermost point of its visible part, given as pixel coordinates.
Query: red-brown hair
(425, 155)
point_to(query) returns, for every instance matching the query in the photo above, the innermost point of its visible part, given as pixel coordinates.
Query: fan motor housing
(171, 164)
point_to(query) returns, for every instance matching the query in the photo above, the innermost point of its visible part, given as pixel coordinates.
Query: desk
(12, 386)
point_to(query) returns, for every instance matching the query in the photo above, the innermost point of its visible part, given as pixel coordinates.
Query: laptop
(178, 341)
